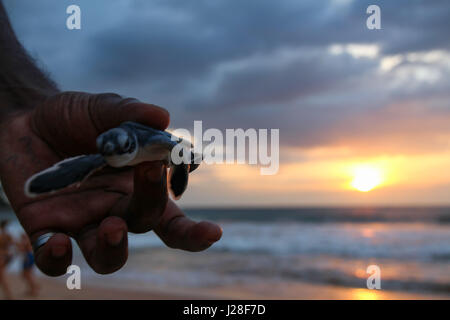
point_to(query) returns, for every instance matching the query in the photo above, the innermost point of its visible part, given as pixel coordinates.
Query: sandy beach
(55, 289)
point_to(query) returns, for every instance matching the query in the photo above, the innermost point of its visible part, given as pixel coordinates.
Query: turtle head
(117, 146)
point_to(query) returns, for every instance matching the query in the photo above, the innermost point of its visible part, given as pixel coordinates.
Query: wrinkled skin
(100, 213)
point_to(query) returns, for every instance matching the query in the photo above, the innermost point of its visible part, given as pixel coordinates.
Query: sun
(366, 178)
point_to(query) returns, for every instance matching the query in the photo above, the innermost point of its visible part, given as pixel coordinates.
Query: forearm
(22, 84)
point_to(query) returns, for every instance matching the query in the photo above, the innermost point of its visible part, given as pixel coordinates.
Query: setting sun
(366, 178)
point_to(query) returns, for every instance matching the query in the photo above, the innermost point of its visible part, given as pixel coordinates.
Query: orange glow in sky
(329, 176)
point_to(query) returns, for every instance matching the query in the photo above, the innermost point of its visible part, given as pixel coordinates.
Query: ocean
(273, 249)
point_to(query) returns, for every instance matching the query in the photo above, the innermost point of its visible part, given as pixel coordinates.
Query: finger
(105, 247)
(129, 109)
(71, 121)
(55, 256)
(144, 209)
(179, 232)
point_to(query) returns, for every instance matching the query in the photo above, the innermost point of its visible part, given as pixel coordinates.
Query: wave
(438, 215)
(372, 240)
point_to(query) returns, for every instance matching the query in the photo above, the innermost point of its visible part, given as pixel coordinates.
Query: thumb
(109, 110)
(71, 121)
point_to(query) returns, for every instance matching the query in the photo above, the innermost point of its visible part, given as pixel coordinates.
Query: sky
(346, 99)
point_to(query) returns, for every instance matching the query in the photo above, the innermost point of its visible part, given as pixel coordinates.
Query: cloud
(280, 77)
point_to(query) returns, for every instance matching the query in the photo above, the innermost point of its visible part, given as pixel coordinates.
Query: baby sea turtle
(126, 145)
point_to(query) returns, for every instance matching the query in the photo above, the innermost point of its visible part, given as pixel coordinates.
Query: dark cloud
(415, 25)
(204, 34)
(268, 82)
(209, 33)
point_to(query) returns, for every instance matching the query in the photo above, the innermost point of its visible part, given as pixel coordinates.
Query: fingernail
(59, 251)
(156, 174)
(115, 238)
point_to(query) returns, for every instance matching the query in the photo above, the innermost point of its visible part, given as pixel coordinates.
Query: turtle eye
(126, 145)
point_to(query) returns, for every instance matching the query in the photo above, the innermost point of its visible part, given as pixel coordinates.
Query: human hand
(113, 202)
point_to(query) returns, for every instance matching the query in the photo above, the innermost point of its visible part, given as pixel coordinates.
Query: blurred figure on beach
(25, 249)
(6, 241)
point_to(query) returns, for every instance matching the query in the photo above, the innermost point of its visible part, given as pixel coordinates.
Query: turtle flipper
(63, 174)
(179, 175)
(178, 179)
